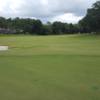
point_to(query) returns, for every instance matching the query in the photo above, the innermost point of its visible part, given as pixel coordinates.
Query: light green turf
(50, 68)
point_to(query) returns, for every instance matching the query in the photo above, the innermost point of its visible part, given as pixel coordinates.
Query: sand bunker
(3, 48)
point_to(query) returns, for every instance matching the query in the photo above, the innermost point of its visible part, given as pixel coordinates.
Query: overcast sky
(46, 10)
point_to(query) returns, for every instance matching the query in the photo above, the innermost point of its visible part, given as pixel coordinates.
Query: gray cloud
(77, 7)
(43, 9)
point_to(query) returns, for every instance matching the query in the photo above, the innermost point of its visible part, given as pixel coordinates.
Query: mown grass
(50, 68)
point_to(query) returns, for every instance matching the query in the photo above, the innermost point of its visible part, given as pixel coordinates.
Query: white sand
(3, 48)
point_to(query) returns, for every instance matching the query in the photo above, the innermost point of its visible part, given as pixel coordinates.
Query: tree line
(89, 24)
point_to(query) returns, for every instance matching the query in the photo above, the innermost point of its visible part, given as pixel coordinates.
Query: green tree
(37, 27)
(3, 23)
(58, 28)
(91, 22)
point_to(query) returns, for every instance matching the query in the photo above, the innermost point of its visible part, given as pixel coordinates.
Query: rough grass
(50, 68)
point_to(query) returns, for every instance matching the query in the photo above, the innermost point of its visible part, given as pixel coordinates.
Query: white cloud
(67, 18)
(45, 9)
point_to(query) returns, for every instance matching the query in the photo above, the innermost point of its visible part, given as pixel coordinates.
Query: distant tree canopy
(36, 27)
(90, 23)
(3, 22)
